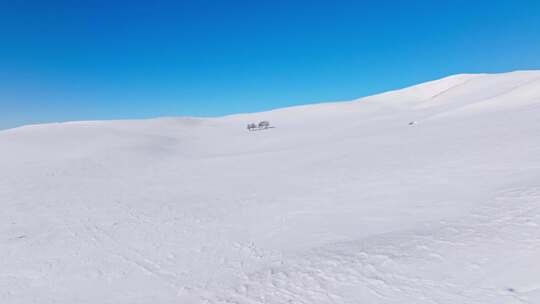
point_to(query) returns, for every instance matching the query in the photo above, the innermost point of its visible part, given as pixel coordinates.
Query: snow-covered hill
(339, 203)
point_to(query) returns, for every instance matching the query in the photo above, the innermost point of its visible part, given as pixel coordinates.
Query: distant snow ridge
(428, 194)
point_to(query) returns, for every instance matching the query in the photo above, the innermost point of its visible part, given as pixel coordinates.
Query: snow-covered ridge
(339, 203)
(462, 89)
(514, 89)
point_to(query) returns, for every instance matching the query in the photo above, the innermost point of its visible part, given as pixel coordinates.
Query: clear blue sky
(92, 59)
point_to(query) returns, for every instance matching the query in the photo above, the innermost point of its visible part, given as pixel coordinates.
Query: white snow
(339, 203)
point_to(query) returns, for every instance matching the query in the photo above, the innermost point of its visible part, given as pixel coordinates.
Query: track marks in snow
(415, 266)
(132, 256)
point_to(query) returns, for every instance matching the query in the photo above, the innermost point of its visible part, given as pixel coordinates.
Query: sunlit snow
(430, 194)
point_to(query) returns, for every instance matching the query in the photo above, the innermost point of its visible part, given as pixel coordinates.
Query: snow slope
(339, 203)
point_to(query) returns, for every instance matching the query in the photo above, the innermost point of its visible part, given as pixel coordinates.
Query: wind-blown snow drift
(339, 203)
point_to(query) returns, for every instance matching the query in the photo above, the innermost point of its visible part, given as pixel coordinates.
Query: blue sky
(80, 60)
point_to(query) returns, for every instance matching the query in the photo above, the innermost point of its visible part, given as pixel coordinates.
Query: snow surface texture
(430, 194)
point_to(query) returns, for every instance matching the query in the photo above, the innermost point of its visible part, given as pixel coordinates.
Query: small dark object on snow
(251, 126)
(412, 123)
(260, 126)
(264, 125)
